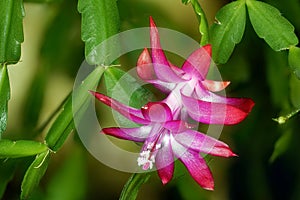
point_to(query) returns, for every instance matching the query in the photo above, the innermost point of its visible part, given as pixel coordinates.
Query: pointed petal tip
(92, 92)
(245, 107)
(102, 132)
(230, 154)
(101, 97)
(215, 112)
(227, 152)
(210, 188)
(198, 63)
(166, 174)
(234, 155)
(165, 181)
(249, 103)
(97, 95)
(207, 185)
(152, 23)
(144, 66)
(144, 58)
(215, 86)
(208, 48)
(252, 104)
(226, 83)
(133, 134)
(105, 131)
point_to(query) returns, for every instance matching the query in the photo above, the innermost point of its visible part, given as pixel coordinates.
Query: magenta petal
(132, 114)
(164, 162)
(160, 62)
(157, 112)
(200, 142)
(144, 66)
(166, 173)
(213, 113)
(195, 164)
(164, 72)
(154, 135)
(146, 72)
(177, 126)
(138, 134)
(177, 70)
(198, 62)
(174, 101)
(163, 86)
(215, 86)
(198, 169)
(244, 104)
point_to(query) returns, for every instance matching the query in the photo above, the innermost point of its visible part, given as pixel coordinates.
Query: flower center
(147, 157)
(146, 160)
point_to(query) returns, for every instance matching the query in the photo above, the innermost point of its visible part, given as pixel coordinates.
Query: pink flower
(166, 138)
(164, 129)
(188, 87)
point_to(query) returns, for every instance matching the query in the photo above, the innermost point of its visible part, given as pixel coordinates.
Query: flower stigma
(147, 157)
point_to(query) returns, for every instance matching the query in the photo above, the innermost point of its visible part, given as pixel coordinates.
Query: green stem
(133, 185)
(54, 113)
(4, 97)
(203, 25)
(63, 124)
(283, 119)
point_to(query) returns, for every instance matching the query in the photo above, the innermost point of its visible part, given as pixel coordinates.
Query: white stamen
(146, 160)
(147, 157)
(158, 146)
(150, 145)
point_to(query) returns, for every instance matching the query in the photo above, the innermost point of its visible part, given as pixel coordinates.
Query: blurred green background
(53, 52)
